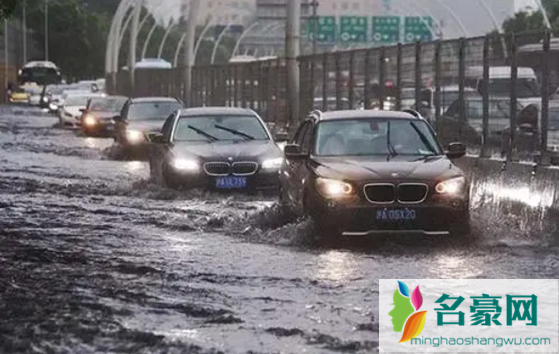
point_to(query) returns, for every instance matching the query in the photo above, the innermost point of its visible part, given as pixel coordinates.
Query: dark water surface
(95, 259)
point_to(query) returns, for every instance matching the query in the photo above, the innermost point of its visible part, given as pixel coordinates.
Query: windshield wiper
(423, 138)
(236, 132)
(391, 151)
(203, 133)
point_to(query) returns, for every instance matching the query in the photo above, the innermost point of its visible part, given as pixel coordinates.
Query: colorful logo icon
(405, 315)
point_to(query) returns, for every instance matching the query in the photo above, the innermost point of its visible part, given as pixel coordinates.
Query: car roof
(356, 114)
(215, 111)
(153, 99)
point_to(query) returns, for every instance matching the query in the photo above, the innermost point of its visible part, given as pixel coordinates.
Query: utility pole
(314, 5)
(6, 59)
(24, 25)
(46, 30)
(189, 48)
(292, 48)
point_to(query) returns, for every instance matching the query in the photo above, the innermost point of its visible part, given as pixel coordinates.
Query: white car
(72, 106)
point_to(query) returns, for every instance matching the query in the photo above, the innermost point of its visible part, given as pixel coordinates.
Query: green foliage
(7, 8)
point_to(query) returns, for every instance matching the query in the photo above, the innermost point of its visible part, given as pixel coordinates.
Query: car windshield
(107, 104)
(525, 88)
(375, 136)
(76, 101)
(152, 110)
(553, 118)
(220, 127)
(498, 109)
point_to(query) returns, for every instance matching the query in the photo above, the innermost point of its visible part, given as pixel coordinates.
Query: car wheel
(168, 178)
(462, 228)
(327, 232)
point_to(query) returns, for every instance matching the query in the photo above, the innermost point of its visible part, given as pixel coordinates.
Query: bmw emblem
(230, 158)
(394, 175)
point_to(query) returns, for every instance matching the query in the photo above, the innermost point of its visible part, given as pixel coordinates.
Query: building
(428, 19)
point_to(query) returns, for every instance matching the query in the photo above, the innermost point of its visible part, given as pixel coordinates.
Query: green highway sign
(386, 29)
(418, 29)
(353, 29)
(325, 28)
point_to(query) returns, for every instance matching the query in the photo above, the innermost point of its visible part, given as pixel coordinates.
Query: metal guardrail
(454, 83)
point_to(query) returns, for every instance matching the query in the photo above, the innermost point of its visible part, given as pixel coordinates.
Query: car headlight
(134, 136)
(186, 165)
(89, 121)
(333, 188)
(45, 99)
(451, 186)
(53, 107)
(272, 164)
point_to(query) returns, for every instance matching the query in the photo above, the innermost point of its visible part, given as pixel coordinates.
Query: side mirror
(281, 136)
(293, 152)
(455, 150)
(158, 139)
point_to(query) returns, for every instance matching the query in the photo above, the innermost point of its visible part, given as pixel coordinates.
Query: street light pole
(46, 30)
(314, 5)
(24, 25)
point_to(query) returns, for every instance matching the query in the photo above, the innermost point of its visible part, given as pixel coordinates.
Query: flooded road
(96, 259)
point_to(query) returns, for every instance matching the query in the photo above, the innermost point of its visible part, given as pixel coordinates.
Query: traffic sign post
(418, 29)
(353, 29)
(326, 29)
(386, 29)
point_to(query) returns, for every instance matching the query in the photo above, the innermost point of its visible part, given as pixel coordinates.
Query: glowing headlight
(89, 121)
(186, 165)
(53, 107)
(272, 164)
(333, 188)
(134, 136)
(452, 186)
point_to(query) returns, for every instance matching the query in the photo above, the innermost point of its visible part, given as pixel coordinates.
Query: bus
(40, 73)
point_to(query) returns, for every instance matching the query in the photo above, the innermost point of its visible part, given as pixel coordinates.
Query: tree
(7, 8)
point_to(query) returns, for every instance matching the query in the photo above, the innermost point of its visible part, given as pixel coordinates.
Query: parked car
(97, 117)
(139, 119)
(219, 148)
(358, 173)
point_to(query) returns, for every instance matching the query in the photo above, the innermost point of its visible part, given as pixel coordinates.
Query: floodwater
(95, 259)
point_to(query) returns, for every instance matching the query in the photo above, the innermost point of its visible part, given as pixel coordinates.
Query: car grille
(380, 193)
(216, 168)
(405, 193)
(412, 193)
(244, 168)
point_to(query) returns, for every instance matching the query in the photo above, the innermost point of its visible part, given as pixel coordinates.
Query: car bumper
(99, 130)
(260, 181)
(437, 218)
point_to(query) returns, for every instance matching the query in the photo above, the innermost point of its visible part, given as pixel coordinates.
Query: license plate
(396, 214)
(231, 182)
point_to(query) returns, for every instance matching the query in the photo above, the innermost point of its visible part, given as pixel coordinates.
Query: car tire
(462, 229)
(326, 231)
(168, 179)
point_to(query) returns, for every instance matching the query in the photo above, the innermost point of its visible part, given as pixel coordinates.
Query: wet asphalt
(96, 259)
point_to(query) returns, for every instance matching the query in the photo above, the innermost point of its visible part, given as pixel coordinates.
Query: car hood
(154, 125)
(223, 150)
(104, 115)
(378, 168)
(74, 110)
